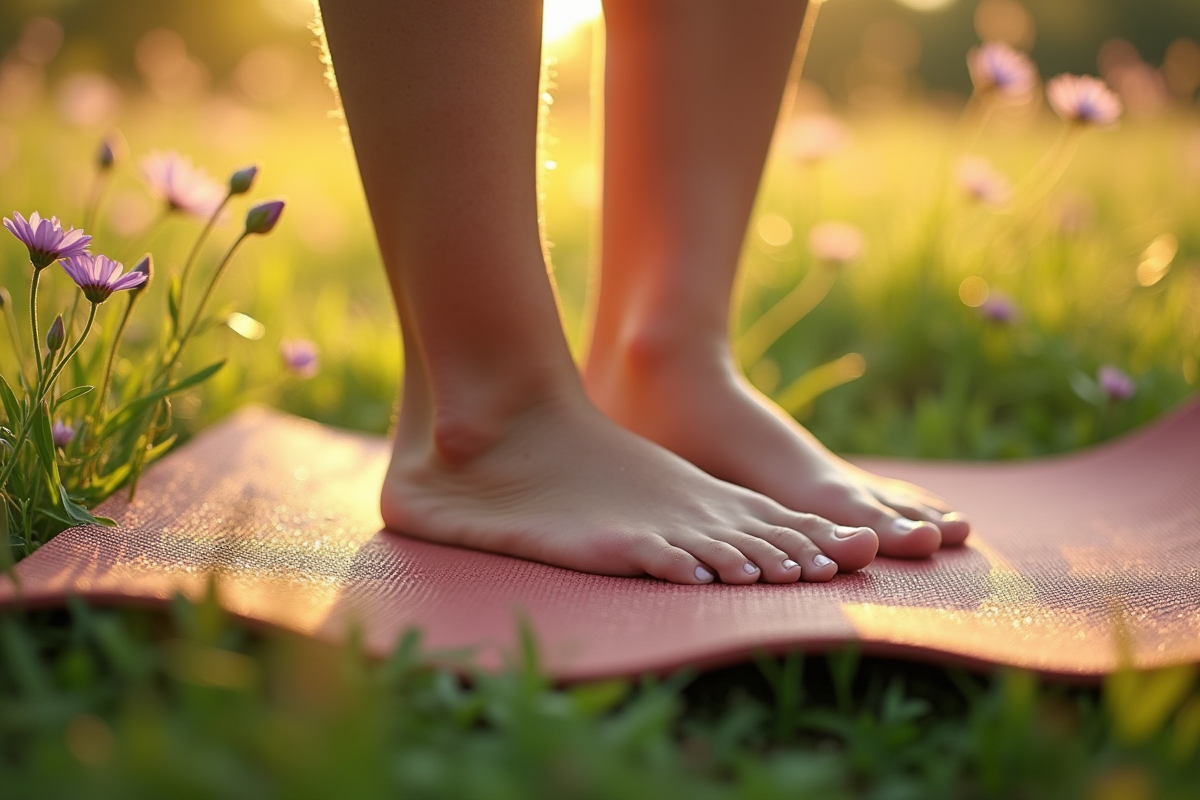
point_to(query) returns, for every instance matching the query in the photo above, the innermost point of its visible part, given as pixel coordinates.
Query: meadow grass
(127, 704)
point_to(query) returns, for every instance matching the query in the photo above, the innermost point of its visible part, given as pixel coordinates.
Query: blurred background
(912, 363)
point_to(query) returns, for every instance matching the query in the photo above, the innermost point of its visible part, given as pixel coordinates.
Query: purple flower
(1115, 383)
(300, 357)
(100, 276)
(261, 217)
(999, 308)
(814, 138)
(835, 243)
(981, 182)
(995, 65)
(1083, 99)
(181, 185)
(62, 433)
(46, 240)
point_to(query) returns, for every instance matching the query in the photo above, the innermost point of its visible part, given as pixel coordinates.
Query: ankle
(659, 347)
(464, 431)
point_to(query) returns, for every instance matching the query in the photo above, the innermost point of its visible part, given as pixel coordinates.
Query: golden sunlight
(561, 18)
(926, 5)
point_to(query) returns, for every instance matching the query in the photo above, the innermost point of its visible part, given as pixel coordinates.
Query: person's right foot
(564, 485)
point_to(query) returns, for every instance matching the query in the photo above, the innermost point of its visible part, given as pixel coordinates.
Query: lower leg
(693, 90)
(497, 445)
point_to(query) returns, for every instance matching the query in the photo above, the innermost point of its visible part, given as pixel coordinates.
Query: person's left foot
(698, 405)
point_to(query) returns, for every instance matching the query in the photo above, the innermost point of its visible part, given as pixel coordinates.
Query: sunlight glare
(560, 18)
(925, 5)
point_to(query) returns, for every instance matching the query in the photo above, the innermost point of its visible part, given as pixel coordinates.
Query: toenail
(822, 561)
(750, 568)
(789, 564)
(845, 531)
(903, 525)
(953, 516)
(703, 575)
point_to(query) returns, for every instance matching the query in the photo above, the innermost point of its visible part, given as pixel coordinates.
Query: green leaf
(11, 407)
(43, 443)
(174, 290)
(78, 514)
(78, 391)
(126, 412)
(6, 539)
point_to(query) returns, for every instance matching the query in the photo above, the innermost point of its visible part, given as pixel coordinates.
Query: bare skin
(693, 89)
(498, 446)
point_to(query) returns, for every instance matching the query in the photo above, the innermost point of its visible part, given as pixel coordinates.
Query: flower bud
(105, 156)
(56, 335)
(145, 267)
(241, 181)
(261, 217)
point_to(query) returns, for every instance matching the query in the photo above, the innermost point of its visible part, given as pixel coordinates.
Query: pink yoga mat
(1074, 561)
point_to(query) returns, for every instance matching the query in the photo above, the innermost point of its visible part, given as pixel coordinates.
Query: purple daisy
(181, 185)
(995, 65)
(1083, 99)
(1115, 383)
(100, 276)
(46, 240)
(62, 433)
(1000, 309)
(300, 357)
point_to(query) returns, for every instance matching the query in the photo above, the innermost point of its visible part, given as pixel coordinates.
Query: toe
(952, 525)
(777, 564)
(852, 548)
(674, 564)
(727, 561)
(899, 536)
(955, 528)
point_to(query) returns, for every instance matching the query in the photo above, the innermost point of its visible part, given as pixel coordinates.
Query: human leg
(497, 445)
(693, 89)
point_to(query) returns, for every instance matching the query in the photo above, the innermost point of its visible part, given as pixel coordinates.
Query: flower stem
(112, 356)
(191, 328)
(37, 348)
(779, 318)
(43, 388)
(191, 259)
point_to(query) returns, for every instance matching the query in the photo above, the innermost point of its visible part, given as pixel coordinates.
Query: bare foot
(562, 484)
(694, 402)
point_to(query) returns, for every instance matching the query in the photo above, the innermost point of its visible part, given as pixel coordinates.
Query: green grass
(132, 705)
(128, 704)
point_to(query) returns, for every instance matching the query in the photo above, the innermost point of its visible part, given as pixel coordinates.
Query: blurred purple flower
(46, 240)
(1083, 100)
(1000, 308)
(836, 243)
(1116, 384)
(62, 433)
(814, 138)
(100, 276)
(300, 357)
(181, 185)
(996, 65)
(981, 182)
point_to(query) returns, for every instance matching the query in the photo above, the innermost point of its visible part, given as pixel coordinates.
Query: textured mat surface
(1067, 551)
